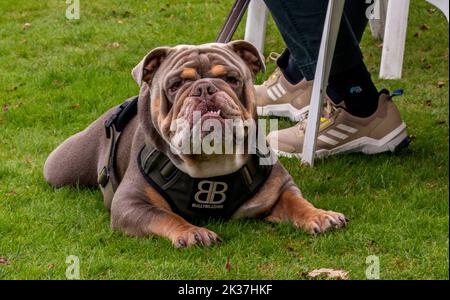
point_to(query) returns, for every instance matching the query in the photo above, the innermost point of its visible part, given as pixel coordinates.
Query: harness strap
(114, 125)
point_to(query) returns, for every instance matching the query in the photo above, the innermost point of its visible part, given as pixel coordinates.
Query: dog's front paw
(318, 221)
(195, 236)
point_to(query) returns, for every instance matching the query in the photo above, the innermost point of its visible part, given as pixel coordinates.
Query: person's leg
(371, 123)
(301, 25)
(354, 85)
(288, 67)
(355, 11)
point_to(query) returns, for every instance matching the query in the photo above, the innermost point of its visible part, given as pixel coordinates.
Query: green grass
(58, 75)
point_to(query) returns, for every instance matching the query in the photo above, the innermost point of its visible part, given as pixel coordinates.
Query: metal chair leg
(232, 21)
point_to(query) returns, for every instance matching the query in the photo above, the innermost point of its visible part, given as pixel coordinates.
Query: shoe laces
(273, 77)
(329, 112)
(273, 57)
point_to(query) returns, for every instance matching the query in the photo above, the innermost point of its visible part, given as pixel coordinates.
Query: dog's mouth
(208, 116)
(212, 114)
(216, 123)
(213, 123)
(216, 115)
(205, 113)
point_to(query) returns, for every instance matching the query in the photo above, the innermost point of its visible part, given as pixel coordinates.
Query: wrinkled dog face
(196, 87)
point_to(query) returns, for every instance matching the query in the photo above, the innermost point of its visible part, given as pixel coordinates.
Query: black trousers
(301, 22)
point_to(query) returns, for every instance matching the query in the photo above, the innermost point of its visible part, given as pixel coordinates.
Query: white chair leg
(442, 5)
(325, 58)
(394, 39)
(255, 28)
(377, 20)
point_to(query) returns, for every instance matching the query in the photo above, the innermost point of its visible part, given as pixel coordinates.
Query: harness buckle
(128, 108)
(108, 124)
(103, 177)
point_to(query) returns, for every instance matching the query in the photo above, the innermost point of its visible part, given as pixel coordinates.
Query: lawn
(58, 75)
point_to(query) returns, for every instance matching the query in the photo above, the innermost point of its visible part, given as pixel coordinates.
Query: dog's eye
(175, 86)
(232, 80)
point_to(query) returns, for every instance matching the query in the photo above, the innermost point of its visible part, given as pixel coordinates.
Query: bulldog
(161, 191)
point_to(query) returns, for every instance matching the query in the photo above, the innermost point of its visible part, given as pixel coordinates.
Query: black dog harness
(191, 198)
(202, 198)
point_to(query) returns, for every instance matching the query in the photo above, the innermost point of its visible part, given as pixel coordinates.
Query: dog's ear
(251, 56)
(146, 69)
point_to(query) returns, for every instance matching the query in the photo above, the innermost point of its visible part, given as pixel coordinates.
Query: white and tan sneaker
(278, 97)
(341, 132)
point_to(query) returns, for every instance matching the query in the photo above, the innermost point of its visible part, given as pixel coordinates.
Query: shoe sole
(283, 110)
(393, 141)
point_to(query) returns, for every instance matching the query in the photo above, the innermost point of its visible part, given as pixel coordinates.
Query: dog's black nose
(203, 89)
